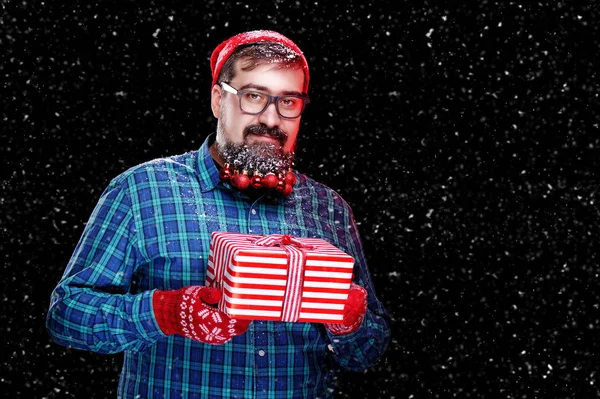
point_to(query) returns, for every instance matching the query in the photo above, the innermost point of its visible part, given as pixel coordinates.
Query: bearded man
(136, 280)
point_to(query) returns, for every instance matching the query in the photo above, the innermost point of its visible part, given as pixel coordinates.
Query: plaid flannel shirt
(151, 230)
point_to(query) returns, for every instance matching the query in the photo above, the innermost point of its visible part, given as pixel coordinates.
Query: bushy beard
(261, 157)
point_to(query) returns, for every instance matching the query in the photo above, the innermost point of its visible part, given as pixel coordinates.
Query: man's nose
(270, 117)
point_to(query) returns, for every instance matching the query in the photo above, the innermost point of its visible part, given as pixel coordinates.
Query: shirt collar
(208, 174)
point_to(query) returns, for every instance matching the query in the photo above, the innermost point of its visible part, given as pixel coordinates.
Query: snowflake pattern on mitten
(196, 317)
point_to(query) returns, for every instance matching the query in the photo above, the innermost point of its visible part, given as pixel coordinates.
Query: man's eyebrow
(265, 89)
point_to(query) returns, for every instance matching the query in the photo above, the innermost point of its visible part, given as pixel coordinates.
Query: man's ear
(215, 100)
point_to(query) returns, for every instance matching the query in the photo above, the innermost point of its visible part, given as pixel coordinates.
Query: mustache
(261, 129)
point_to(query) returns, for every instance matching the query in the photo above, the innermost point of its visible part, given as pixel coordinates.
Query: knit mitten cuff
(354, 312)
(166, 310)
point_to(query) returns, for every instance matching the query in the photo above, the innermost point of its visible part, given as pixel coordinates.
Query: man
(135, 282)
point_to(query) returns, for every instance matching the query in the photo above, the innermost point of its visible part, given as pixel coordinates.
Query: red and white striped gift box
(307, 282)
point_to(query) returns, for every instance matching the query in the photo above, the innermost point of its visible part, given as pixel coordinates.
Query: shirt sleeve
(361, 349)
(92, 307)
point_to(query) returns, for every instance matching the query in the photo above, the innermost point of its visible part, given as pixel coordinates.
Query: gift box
(279, 277)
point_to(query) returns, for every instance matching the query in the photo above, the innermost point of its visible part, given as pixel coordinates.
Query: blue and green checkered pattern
(151, 230)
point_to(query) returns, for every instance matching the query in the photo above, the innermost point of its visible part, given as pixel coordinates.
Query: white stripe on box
(321, 316)
(320, 284)
(312, 273)
(324, 295)
(255, 291)
(245, 280)
(330, 263)
(253, 312)
(318, 305)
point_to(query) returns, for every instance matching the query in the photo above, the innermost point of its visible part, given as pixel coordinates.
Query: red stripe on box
(325, 269)
(257, 275)
(315, 320)
(322, 311)
(257, 297)
(327, 279)
(330, 258)
(274, 277)
(258, 264)
(329, 269)
(253, 307)
(322, 300)
(270, 279)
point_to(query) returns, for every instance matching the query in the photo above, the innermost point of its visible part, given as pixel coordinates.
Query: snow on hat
(224, 50)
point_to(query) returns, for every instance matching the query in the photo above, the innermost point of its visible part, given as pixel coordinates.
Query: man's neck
(214, 153)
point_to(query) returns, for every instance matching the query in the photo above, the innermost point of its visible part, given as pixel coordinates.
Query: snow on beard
(263, 157)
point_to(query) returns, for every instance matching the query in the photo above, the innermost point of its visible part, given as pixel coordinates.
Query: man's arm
(91, 307)
(362, 348)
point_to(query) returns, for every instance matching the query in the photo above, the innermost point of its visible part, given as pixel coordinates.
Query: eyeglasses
(255, 102)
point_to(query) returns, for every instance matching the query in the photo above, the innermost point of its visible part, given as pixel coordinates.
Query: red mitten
(354, 311)
(187, 312)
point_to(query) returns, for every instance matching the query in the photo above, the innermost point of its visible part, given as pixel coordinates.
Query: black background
(465, 135)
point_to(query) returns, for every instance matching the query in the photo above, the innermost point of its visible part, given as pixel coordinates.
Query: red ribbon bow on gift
(276, 240)
(296, 262)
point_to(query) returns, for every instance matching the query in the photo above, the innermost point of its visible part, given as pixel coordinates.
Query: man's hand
(187, 312)
(354, 312)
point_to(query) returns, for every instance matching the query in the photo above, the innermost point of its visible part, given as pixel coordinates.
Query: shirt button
(253, 211)
(261, 352)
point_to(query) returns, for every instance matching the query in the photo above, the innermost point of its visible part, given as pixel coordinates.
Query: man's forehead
(265, 74)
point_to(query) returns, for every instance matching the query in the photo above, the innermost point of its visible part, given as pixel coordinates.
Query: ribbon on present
(296, 262)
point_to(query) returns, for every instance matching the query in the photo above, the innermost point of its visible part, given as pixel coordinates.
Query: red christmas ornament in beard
(261, 166)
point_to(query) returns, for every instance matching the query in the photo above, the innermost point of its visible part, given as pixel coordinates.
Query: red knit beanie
(224, 50)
